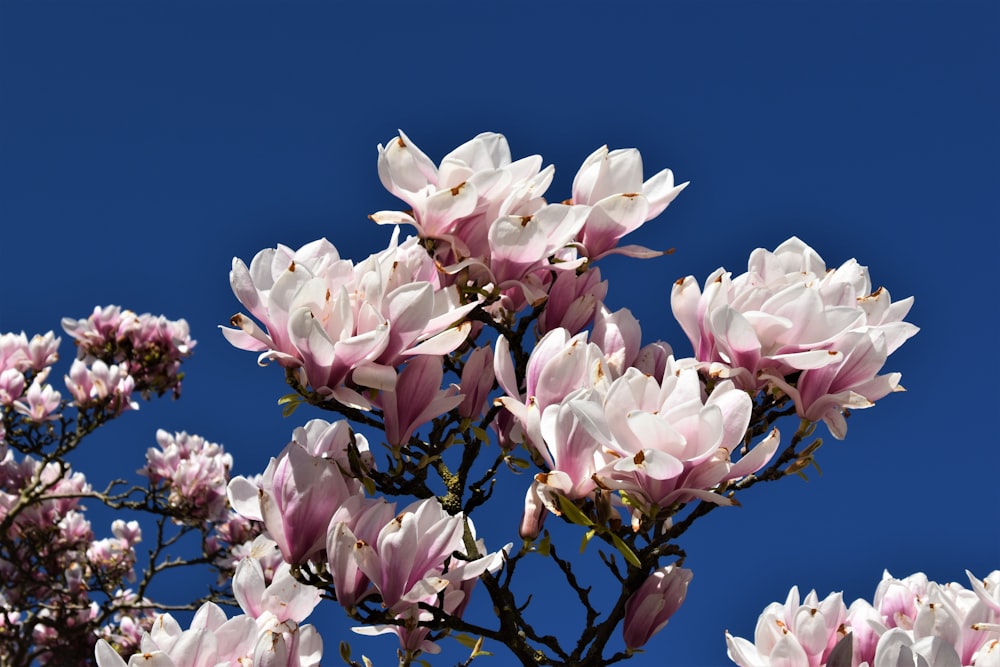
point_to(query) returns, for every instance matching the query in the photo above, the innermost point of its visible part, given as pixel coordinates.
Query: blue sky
(142, 146)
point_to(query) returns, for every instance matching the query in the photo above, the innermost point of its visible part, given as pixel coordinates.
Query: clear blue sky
(143, 145)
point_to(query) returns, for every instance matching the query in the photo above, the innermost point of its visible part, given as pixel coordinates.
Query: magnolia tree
(480, 345)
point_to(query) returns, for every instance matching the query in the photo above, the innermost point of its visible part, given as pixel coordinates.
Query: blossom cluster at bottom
(269, 632)
(911, 622)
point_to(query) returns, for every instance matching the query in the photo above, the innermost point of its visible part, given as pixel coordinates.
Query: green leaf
(345, 652)
(625, 550)
(481, 434)
(545, 545)
(586, 539)
(573, 513)
(515, 462)
(289, 403)
(464, 639)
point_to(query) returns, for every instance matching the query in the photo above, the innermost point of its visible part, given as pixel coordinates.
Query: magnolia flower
(476, 184)
(336, 322)
(296, 497)
(675, 445)
(40, 402)
(416, 399)
(283, 599)
(573, 299)
(267, 633)
(11, 385)
(407, 561)
(651, 606)
(359, 519)
(619, 337)
(214, 639)
(99, 382)
(14, 352)
(788, 323)
(611, 183)
(476, 382)
(559, 364)
(411, 562)
(332, 441)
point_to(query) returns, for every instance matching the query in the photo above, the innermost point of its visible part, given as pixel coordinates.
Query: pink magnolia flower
(611, 183)
(853, 382)
(573, 299)
(267, 633)
(100, 382)
(14, 352)
(788, 315)
(792, 633)
(407, 565)
(476, 382)
(406, 562)
(559, 364)
(11, 385)
(214, 640)
(288, 645)
(43, 350)
(331, 441)
(343, 323)
(416, 399)
(359, 519)
(652, 605)
(282, 599)
(476, 184)
(297, 496)
(521, 246)
(575, 445)
(675, 445)
(619, 337)
(40, 402)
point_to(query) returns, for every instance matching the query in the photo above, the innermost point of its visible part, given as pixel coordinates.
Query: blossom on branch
(341, 324)
(790, 324)
(296, 498)
(611, 183)
(151, 346)
(912, 621)
(195, 473)
(651, 606)
(412, 562)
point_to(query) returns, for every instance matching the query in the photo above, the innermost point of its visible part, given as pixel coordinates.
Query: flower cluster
(63, 585)
(343, 326)
(911, 621)
(268, 632)
(151, 347)
(24, 370)
(430, 342)
(649, 432)
(487, 222)
(791, 325)
(314, 511)
(50, 557)
(194, 473)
